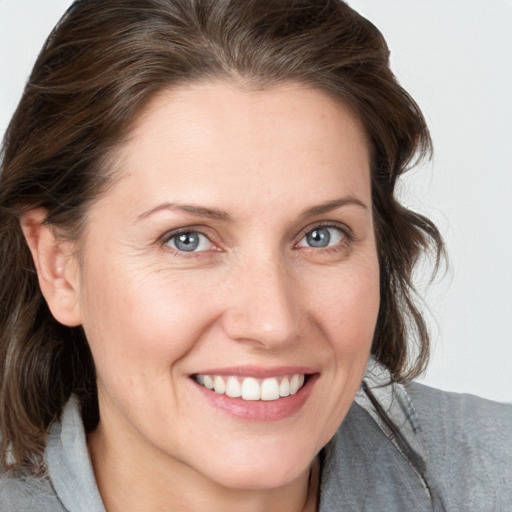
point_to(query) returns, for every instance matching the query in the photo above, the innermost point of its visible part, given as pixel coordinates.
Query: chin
(261, 466)
(260, 478)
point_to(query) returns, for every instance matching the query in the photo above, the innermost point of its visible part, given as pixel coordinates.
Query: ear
(56, 266)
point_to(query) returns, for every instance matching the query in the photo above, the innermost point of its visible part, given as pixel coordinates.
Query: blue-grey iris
(319, 237)
(187, 241)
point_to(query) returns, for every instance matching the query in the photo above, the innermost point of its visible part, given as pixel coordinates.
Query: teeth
(207, 380)
(284, 387)
(270, 389)
(294, 384)
(250, 388)
(219, 385)
(233, 388)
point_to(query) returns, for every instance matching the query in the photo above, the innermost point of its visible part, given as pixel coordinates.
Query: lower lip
(261, 410)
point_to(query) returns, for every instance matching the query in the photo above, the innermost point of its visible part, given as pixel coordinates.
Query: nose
(263, 305)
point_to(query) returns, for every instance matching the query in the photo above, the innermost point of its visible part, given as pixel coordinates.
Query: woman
(206, 279)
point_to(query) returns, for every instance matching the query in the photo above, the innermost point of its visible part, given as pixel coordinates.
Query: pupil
(319, 237)
(187, 242)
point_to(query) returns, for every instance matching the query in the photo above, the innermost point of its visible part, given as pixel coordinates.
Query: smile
(251, 388)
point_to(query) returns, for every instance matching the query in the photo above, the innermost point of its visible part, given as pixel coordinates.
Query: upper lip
(257, 371)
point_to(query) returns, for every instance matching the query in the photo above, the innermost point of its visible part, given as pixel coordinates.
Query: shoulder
(468, 446)
(68, 482)
(27, 493)
(411, 447)
(458, 418)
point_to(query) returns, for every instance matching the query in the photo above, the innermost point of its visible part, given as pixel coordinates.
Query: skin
(255, 295)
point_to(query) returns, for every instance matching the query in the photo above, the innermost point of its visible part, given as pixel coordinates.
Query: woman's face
(237, 250)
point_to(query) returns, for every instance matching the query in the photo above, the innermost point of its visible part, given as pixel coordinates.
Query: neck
(130, 481)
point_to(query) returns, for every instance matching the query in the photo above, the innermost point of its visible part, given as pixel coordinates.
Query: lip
(259, 410)
(258, 372)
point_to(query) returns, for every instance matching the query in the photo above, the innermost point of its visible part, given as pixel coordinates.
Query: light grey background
(455, 58)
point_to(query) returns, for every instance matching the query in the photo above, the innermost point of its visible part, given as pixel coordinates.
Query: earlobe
(56, 267)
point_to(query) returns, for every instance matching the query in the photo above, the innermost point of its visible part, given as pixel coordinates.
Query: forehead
(209, 141)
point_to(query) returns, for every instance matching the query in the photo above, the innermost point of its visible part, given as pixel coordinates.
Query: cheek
(348, 307)
(145, 319)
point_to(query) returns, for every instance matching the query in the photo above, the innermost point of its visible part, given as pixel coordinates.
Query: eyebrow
(198, 211)
(333, 205)
(211, 213)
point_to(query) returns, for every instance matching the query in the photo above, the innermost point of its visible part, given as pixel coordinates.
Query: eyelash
(346, 233)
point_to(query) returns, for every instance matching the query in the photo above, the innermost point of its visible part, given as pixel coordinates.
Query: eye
(189, 241)
(322, 236)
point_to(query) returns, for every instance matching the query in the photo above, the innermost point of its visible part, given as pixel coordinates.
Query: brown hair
(97, 70)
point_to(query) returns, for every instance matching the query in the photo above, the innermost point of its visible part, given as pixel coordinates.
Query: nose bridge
(264, 305)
